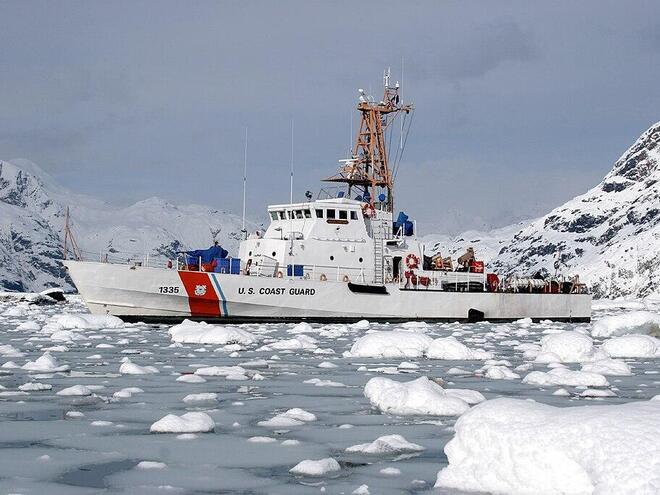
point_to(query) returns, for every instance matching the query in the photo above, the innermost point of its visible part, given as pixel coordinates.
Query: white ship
(339, 258)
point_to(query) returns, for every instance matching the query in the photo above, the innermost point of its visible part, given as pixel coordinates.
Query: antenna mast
(243, 230)
(68, 237)
(368, 169)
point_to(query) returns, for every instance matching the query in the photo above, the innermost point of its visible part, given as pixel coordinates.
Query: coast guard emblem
(200, 290)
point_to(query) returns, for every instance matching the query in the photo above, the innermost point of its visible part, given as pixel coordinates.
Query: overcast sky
(519, 105)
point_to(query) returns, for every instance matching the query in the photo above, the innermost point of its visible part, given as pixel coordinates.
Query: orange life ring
(323, 278)
(346, 279)
(412, 261)
(368, 210)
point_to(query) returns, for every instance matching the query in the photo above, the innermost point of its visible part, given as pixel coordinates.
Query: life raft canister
(412, 261)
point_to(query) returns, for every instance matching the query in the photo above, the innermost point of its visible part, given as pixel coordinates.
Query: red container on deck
(477, 266)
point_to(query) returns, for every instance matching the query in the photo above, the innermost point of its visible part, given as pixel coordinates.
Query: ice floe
(292, 417)
(201, 397)
(608, 366)
(632, 346)
(418, 397)
(310, 467)
(566, 347)
(565, 376)
(128, 367)
(190, 422)
(449, 348)
(398, 344)
(386, 445)
(35, 386)
(190, 332)
(150, 465)
(640, 322)
(75, 390)
(522, 447)
(45, 364)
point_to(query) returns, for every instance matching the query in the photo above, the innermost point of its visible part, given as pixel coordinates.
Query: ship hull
(166, 295)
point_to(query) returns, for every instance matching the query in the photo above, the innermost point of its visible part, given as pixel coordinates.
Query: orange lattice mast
(368, 168)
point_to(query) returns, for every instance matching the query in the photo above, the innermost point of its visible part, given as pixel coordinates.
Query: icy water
(89, 444)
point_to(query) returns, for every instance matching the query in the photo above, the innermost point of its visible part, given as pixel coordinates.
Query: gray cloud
(127, 100)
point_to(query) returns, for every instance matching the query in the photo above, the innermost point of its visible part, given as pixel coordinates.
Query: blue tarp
(207, 255)
(402, 221)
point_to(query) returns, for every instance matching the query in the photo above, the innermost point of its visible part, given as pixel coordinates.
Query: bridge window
(354, 215)
(273, 215)
(319, 213)
(308, 213)
(343, 215)
(299, 214)
(330, 213)
(281, 214)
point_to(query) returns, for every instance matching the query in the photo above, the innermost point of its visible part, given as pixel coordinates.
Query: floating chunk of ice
(500, 373)
(319, 467)
(35, 386)
(390, 471)
(229, 372)
(361, 490)
(395, 344)
(566, 347)
(318, 382)
(45, 364)
(386, 445)
(608, 366)
(190, 378)
(262, 440)
(564, 376)
(418, 397)
(639, 322)
(203, 397)
(191, 332)
(7, 350)
(639, 346)
(128, 367)
(150, 465)
(292, 417)
(190, 422)
(545, 449)
(450, 348)
(75, 390)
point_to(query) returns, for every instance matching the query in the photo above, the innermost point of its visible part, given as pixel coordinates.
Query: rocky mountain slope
(610, 235)
(32, 209)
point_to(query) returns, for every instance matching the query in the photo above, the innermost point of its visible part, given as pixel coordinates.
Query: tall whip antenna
(291, 185)
(245, 152)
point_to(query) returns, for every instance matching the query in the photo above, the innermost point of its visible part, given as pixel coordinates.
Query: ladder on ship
(378, 234)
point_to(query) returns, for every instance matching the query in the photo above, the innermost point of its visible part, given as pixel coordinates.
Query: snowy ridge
(609, 236)
(32, 209)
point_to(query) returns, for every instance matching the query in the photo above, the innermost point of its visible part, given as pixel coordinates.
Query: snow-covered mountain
(610, 235)
(32, 210)
(487, 245)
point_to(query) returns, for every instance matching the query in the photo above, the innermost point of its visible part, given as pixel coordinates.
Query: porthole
(274, 254)
(332, 258)
(249, 253)
(360, 260)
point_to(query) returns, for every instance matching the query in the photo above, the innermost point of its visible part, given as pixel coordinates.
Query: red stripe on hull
(202, 298)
